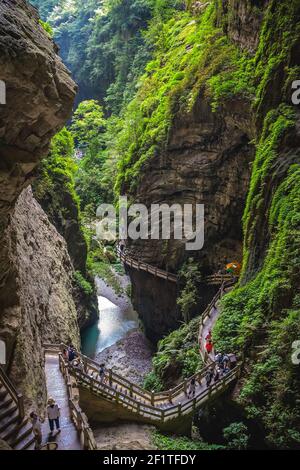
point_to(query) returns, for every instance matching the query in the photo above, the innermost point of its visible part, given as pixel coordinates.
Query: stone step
(8, 426)
(3, 393)
(27, 443)
(21, 434)
(7, 411)
(5, 402)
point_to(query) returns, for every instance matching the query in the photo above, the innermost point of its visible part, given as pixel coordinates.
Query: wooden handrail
(166, 396)
(147, 411)
(141, 266)
(148, 405)
(78, 416)
(213, 279)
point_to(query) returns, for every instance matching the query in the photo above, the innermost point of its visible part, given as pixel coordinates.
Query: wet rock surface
(127, 436)
(130, 357)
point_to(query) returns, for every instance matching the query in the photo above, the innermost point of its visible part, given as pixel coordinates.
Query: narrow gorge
(171, 105)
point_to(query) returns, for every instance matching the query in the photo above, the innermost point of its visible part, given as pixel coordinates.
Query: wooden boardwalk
(149, 407)
(214, 279)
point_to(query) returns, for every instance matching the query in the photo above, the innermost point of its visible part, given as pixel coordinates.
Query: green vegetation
(102, 43)
(177, 357)
(56, 192)
(45, 6)
(102, 262)
(153, 383)
(88, 125)
(237, 437)
(81, 282)
(190, 277)
(168, 442)
(47, 28)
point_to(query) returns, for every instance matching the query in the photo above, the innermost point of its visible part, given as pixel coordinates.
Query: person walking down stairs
(36, 429)
(53, 413)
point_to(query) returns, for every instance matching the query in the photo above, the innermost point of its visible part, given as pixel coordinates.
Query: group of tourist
(221, 366)
(72, 357)
(53, 414)
(70, 353)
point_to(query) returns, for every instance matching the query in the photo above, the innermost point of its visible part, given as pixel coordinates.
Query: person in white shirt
(53, 413)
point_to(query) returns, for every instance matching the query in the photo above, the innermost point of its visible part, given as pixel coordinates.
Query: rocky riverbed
(131, 355)
(127, 436)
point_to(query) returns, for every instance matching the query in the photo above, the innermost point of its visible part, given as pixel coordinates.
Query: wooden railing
(151, 407)
(14, 394)
(149, 412)
(78, 416)
(207, 314)
(141, 266)
(213, 279)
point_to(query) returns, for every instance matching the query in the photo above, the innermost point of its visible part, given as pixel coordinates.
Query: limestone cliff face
(35, 270)
(39, 99)
(42, 308)
(207, 161)
(242, 25)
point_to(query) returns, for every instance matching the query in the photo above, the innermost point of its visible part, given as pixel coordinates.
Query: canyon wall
(207, 161)
(245, 151)
(42, 305)
(35, 271)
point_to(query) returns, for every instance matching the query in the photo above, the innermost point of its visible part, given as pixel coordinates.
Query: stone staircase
(15, 429)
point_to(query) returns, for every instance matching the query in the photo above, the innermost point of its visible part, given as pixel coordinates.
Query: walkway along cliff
(118, 399)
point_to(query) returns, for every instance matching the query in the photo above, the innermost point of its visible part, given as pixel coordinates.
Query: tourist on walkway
(217, 374)
(53, 413)
(71, 353)
(208, 336)
(78, 364)
(209, 346)
(192, 388)
(209, 376)
(36, 429)
(219, 358)
(102, 372)
(225, 361)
